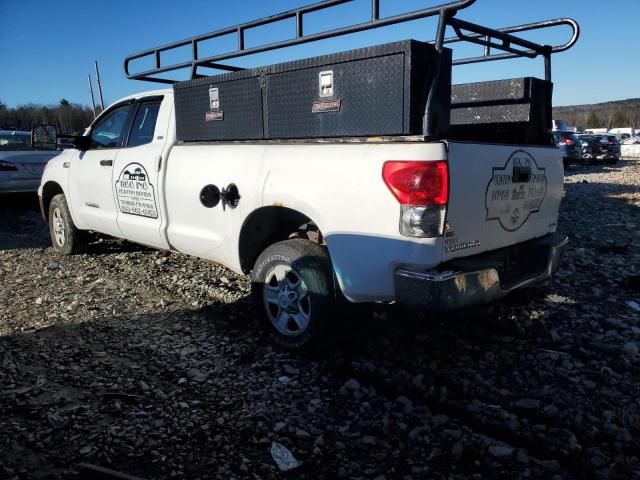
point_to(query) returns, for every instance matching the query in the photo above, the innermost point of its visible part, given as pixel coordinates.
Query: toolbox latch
(326, 83)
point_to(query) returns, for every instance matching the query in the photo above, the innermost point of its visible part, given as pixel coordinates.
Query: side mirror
(44, 137)
(81, 142)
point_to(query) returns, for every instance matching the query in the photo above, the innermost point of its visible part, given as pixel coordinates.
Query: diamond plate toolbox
(502, 111)
(379, 90)
(223, 107)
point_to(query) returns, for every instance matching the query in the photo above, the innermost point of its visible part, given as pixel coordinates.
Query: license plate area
(514, 264)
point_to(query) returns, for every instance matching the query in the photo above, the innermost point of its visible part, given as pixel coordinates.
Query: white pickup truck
(438, 224)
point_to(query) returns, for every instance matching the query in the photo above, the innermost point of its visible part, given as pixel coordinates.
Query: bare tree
(66, 116)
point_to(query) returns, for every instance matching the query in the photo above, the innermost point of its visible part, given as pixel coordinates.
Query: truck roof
(148, 93)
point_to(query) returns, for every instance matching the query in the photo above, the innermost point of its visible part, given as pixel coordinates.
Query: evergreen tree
(593, 121)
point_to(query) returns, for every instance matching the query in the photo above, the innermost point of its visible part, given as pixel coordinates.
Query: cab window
(108, 132)
(144, 124)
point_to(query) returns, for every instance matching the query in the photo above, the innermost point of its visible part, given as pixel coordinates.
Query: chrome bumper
(449, 290)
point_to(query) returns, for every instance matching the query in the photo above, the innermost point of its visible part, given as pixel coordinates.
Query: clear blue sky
(49, 47)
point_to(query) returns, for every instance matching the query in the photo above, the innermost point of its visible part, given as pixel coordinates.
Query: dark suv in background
(612, 149)
(569, 146)
(600, 148)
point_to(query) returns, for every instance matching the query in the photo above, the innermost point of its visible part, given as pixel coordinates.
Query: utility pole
(93, 100)
(99, 86)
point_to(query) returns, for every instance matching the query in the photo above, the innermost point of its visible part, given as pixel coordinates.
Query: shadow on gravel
(104, 245)
(190, 390)
(21, 225)
(608, 192)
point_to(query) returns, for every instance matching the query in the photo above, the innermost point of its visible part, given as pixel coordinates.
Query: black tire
(297, 317)
(60, 222)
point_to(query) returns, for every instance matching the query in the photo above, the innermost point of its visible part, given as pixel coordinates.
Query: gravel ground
(151, 364)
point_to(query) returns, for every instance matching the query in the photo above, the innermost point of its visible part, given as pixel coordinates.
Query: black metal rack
(435, 106)
(500, 39)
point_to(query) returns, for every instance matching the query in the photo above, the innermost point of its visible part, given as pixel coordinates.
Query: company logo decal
(135, 193)
(516, 191)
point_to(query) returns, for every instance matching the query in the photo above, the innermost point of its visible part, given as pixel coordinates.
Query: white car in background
(21, 165)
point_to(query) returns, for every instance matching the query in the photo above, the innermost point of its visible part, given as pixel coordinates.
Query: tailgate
(500, 195)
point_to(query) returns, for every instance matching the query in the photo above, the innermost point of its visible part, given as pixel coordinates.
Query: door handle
(106, 163)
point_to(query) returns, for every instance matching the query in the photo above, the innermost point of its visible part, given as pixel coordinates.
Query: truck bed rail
(492, 39)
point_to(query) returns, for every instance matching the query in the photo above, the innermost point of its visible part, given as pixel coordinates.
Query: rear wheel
(65, 237)
(293, 290)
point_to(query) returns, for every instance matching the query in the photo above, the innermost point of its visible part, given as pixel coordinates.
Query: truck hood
(28, 156)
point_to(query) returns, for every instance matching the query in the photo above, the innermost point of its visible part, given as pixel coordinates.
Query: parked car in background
(630, 148)
(569, 146)
(590, 147)
(623, 136)
(623, 133)
(560, 126)
(21, 165)
(613, 148)
(631, 141)
(600, 148)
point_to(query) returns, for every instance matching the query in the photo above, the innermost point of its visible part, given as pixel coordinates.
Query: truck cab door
(136, 174)
(91, 173)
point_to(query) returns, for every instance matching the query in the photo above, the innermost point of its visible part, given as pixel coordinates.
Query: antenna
(99, 86)
(93, 100)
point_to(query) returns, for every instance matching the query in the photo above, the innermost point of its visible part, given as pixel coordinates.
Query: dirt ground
(152, 364)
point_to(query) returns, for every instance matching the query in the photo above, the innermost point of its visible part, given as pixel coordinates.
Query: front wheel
(65, 237)
(293, 290)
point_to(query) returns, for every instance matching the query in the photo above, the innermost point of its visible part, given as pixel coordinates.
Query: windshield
(15, 141)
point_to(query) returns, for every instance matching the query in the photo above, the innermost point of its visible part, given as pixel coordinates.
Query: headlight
(7, 166)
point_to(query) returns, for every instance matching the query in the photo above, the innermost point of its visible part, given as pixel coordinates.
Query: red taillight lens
(417, 183)
(566, 141)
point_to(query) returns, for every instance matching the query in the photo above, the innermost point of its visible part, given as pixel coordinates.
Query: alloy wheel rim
(58, 227)
(286, 301)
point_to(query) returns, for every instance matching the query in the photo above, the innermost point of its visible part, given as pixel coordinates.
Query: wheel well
(268, 225)
(49, 190)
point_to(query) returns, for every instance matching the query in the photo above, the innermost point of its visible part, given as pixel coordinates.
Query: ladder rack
(503, 40)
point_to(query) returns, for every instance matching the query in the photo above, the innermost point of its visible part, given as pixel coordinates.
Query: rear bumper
(447, 289)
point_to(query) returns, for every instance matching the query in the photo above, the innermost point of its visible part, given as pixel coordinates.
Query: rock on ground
(153, 365)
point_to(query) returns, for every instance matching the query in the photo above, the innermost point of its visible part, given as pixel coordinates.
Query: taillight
(7, 166)
(422, 189)
(566, 141)
(418, 183)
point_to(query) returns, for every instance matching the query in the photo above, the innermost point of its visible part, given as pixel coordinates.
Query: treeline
(67, 117)
(619, 114)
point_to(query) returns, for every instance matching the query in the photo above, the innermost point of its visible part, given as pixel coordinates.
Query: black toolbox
(379, 90)
(223, 107)
(516, 111)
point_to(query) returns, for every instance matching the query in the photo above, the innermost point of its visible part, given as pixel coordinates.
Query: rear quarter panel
(339, 186)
